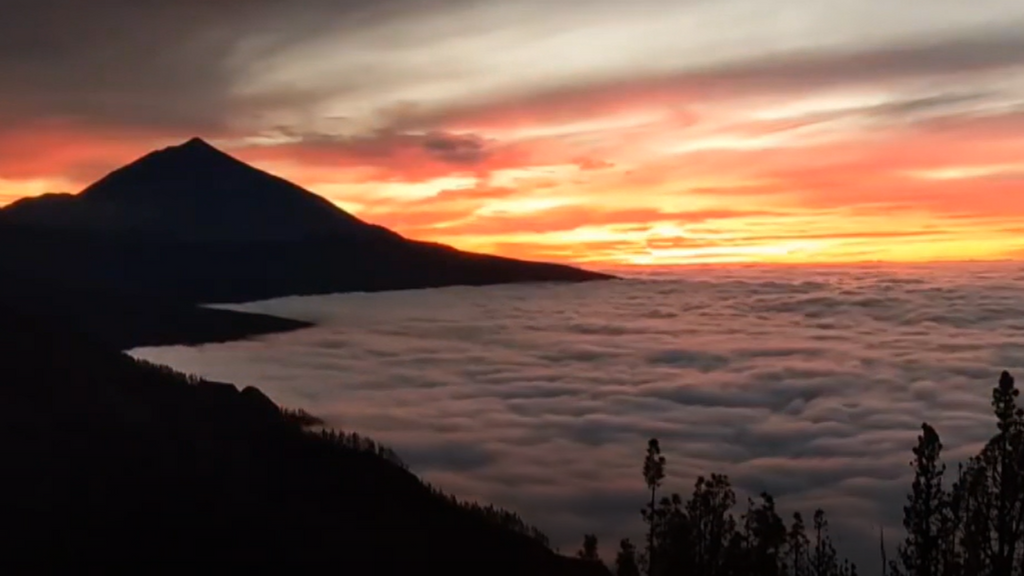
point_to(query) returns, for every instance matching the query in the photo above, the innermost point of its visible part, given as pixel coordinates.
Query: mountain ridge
(189, 225)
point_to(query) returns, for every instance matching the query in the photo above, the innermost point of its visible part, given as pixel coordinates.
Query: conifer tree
(797, 546)
(766, 537)
(1004, 462)
(923, 516)
(589, 549)
(824, 560)
(625, 560)
(654, 474)
(712, 524)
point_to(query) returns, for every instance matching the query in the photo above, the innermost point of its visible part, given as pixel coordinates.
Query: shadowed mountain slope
(121, 320)
(194, 193)
(111, 459)
(190, 224)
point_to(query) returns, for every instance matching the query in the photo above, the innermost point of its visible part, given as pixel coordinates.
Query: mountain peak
(197, 145)
(194, 191)
(196, 142)
(193, 151)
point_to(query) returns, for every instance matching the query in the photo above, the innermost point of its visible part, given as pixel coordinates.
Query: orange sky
(816, 138)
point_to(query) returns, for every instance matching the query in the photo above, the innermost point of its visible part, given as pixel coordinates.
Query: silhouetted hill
(107, 458)
(155, 267)
(190, 224)
(195, 193)
(121, 320)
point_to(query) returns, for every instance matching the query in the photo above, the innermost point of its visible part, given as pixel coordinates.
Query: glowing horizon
(598, 133)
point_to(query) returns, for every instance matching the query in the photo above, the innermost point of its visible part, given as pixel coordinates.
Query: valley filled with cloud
(810, 383)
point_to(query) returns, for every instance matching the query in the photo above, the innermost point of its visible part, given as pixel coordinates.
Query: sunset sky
(597, 131)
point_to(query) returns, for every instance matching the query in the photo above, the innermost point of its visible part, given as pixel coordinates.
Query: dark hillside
(107, 458)
(121, 319)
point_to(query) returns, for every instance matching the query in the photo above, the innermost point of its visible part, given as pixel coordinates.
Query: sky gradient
(601, 132)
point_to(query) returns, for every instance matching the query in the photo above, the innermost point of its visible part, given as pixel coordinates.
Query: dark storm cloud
(385, 146)
(159, 63)
(456, 149)
(398, 156)
(113, 61)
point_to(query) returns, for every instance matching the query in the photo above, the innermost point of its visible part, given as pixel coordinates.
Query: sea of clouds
(810, 383)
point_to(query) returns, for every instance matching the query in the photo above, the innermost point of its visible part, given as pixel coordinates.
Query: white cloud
(811, 384)
(482, 48)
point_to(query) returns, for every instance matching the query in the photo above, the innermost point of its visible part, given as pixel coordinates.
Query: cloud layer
(808, 383)
(838, 117)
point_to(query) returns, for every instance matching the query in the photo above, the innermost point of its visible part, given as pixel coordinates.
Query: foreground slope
(113, 459)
